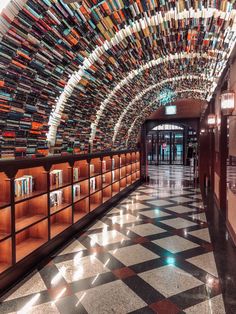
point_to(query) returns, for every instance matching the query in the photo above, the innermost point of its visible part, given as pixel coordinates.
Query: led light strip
(137, 26)
(150, 88)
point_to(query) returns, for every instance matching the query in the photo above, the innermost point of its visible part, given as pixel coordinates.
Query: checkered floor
(152, 253)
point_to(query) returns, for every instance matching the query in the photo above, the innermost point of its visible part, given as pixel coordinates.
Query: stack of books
(56, 198)
(24, 185)
(56, 177)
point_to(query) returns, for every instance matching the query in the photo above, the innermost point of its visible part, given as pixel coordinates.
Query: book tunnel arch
(81, 72)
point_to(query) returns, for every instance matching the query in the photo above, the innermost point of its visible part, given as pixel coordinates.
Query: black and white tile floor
(152, 253)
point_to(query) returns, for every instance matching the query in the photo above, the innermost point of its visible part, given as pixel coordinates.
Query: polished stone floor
(152, 253)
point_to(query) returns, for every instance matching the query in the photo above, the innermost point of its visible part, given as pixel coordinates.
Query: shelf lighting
(227, 103)
(211, 120)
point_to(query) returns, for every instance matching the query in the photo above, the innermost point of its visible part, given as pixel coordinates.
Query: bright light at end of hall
(3, 4)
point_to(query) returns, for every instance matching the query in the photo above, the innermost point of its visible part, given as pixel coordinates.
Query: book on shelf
(92, 184)
(104, 166)
(24, 185)
(113, 175)
(76, 173)
(91, 169)
(56, 177)
(76, 190)
(56, 198)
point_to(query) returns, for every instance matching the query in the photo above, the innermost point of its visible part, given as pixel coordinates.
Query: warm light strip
(134, 73)
(140, 95)
(138, 25)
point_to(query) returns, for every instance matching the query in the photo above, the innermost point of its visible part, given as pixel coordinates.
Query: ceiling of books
(90, 72)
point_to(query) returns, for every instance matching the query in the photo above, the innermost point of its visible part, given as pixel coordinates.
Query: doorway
(166, 145)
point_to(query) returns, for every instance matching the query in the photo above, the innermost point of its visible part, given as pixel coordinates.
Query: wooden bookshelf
(95, 184)
(80, 169)
(66, 199)
(123, 183)
(123, 172)
(65, 175)
(39, 183)
(115, 175)
(106, 193)
(95, 200)
(5, 194)
(106, 164)
(60, 221)
(5, 222)
(83, 187)
(35, 219)
(31, 239)
(129, 180)
(115, 188)
(30, 211)
(81, 209)
(5, 254)
(95, 167)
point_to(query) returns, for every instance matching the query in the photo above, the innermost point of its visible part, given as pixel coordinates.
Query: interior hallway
(152, 253)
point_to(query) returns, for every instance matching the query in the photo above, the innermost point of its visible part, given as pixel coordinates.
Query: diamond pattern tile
(175, 244)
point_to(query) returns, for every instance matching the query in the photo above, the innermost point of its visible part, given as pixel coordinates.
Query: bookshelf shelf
(29, 183)
(46, 210)
(60, 199)
(5, 190)
(5, 254)
(81, 209)
(5, 222)
(30, 239)
(30, 211)
(60, 221)
(60, 176)
(80, 171)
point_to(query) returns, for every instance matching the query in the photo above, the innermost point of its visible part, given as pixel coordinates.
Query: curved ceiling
(91, 73)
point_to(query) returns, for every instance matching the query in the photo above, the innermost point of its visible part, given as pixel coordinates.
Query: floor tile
(74, 247)
(107, 237)
(197, 204)
(146, 229)
(154, 213)
(160, 203)
(124, 219)
(44, 308)
(202, 234)
(181, 199)
(170, 280)
(136, 206)
(178, 223)
(143, 197)
(180, 209)
(205, 262)
(113, 297)
(175, 244)
(98, 225)
(33, 285)
(133, 254)
(214, 305)
(200, 216)
(84, 267)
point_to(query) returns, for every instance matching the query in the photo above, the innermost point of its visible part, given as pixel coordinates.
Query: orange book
(2, 83)
(19, 64)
